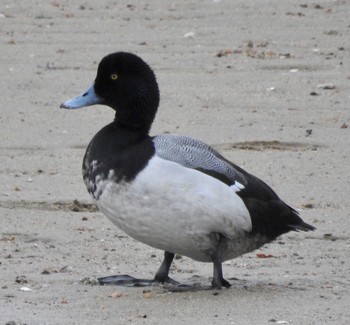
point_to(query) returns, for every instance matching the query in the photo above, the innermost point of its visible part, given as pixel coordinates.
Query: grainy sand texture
(267, 83)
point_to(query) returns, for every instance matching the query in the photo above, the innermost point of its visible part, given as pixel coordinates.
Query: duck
(170, 191)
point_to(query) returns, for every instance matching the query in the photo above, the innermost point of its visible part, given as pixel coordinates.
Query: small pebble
(326, 86)
(147, 293)
(26, 289)
(116, 294)
(189, 35)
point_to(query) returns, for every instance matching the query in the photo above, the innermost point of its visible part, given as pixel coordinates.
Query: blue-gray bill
(87, 98)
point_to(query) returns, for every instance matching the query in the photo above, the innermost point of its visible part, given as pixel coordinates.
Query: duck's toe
(219, 283)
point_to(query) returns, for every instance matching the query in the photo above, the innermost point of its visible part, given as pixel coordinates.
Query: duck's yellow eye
(114, 76)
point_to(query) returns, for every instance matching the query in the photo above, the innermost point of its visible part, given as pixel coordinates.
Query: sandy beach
(266, 83)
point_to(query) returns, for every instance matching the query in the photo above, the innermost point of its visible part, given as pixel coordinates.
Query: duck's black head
(127, 84)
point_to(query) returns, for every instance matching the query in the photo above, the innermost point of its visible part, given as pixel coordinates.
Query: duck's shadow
(196, 284)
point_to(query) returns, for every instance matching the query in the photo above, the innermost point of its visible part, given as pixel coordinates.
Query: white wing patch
(237, 186)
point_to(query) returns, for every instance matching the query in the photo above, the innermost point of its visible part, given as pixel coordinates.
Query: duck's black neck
(130, 129)
(115, 137)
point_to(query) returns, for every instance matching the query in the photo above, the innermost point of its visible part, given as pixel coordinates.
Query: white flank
(177, 209)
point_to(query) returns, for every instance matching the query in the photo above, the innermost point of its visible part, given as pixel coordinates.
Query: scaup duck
(169, 191)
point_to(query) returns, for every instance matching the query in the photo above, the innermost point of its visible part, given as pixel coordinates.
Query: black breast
(117, 153)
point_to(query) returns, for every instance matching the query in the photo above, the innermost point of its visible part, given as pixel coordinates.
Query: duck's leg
(217, 283)
(218, 280)
(162, 276)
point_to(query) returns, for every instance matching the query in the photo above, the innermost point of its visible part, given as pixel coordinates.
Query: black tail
(299, 225)
(274, 218)
(303, 226)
